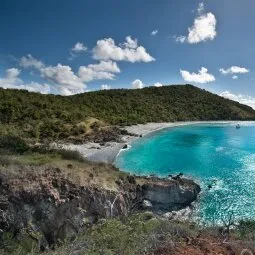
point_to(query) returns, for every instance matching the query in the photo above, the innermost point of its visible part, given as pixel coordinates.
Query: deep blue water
(217, 154)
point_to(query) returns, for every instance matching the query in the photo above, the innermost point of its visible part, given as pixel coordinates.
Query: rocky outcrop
(50, 207)
(169, 195)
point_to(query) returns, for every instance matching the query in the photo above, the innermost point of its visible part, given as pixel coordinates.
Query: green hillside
(33, 115)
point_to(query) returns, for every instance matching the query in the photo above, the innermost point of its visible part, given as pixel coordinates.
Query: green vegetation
(50, 117)
(13, 144)
(246, 229)
(137, 234)
(28, 118)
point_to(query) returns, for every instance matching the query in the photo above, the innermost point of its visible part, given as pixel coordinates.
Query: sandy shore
(108, 152)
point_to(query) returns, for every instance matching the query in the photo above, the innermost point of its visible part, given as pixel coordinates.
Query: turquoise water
(217, 154)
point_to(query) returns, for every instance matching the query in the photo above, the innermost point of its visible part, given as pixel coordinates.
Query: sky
(68, 47)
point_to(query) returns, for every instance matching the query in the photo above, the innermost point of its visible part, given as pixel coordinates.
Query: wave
(220, 148)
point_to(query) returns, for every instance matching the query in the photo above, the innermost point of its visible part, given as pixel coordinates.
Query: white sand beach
(108, 152)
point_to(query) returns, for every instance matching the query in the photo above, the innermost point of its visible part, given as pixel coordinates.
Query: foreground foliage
(139, 234)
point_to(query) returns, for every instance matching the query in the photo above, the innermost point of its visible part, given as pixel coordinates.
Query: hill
(33, 115)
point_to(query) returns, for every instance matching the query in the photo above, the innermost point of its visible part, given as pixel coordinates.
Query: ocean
(220, 157)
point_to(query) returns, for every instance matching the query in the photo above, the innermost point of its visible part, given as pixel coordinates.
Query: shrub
(246, 229)
(13, 144)
(70, 155)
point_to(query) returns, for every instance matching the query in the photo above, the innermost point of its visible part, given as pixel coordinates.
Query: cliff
(51, 206)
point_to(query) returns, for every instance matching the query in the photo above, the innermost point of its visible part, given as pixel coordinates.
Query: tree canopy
(28, 114)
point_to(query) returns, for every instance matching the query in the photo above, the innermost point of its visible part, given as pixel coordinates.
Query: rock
(119, 182)
(125, 147)
(146, 204)
(169, 195)
(57, 208)
(180, 215)
(177, 177)
(131, 179)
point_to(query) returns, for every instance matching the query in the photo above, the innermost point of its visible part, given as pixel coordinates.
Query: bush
(137, 234)
(13, 144)
(246, 229)
(70, 155)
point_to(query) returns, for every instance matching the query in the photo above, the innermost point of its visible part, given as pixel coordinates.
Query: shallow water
(215, 154)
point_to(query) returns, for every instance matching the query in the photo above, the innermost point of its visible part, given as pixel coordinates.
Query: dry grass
(80, 172)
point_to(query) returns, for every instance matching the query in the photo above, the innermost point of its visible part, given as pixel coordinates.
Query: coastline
(108, 152)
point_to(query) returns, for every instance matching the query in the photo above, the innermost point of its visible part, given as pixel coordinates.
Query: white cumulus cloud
(201, 77)
(11, 80)
(65, 81)
(12, 73)
(234, 70)
(201, 8)
(234, 77)
(137, 84)
(105, 66)
(79, 47)
(105, 87)
(154, 32)
(104, 70)
(64, 78)
(158, 84)
(130, 43)
(106, 49)
(203, 28)
(243, 99)
(180, 39)
(87, 74)
(30, 62)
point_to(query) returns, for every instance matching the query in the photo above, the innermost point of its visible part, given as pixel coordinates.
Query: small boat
(238, 126)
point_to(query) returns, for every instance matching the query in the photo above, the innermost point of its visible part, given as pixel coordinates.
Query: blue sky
(68, 47)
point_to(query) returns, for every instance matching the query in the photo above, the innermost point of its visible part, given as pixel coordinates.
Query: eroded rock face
(50, 205)
(169, 195)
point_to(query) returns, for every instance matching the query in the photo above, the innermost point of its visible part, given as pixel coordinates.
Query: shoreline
(108, 152)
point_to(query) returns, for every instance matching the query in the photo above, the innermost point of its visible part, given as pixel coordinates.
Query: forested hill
(28, 111)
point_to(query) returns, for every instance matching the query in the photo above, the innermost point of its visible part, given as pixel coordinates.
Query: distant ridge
(22, 110)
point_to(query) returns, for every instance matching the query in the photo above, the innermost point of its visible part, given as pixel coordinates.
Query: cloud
(201, 8)
(243, 99)
(107, 66)
(130, 43)
(180, 39)
(158, 84)
(154, 32)
(105, 70)
(79, 47)
(105, 87)
(234, 77)
(12, 73)
(29, 61)
(106, 49)
(87, 74)
(201, 77)
(202, 30)
(137, 84)
(12, 81)
(11, 78)
(234, 70)
(63, 79)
